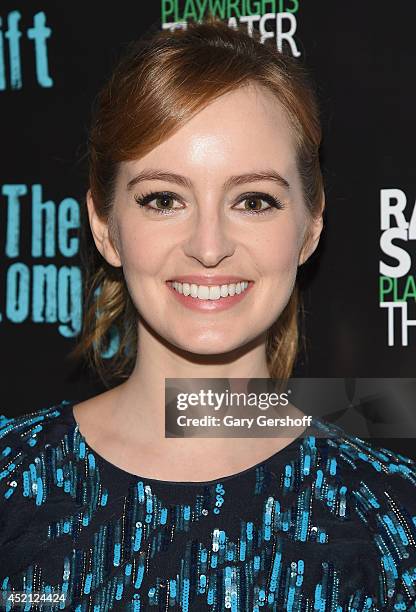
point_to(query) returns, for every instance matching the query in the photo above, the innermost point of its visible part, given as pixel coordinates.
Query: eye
(255, 202)
(164, 203)
(162, 198)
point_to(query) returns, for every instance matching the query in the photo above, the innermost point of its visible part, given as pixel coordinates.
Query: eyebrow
(232, 181)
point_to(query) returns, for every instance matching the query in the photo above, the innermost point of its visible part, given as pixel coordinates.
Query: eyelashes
(145, 199)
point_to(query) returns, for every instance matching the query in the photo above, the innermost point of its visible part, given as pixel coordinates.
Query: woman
(205, 197)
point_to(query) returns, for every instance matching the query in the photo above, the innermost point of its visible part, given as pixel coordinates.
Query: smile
(209, 297)
(214, 292)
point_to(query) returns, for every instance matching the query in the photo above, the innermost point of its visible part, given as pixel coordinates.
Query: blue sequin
(266, 539)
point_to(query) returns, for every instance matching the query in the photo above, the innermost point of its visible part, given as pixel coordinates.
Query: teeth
(203, 292)
(214, 293)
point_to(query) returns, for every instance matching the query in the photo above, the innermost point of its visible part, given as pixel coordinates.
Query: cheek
(278, 248)
(141, 255)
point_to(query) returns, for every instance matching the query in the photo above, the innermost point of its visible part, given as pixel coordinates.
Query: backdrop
(359, 286)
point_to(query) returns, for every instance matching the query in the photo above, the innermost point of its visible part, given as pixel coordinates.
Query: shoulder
(24, 429)
(376, 485)
(24, 438)
(376, 476)
(364, 459)
(372, 490)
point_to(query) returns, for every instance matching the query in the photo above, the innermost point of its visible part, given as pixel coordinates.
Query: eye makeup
(144, 200)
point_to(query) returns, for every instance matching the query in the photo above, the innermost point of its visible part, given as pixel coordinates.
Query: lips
(217, 302)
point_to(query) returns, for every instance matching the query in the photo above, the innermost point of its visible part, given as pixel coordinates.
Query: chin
(209, 344)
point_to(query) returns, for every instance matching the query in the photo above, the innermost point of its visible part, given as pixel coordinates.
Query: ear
(101, 234)
(313, 234)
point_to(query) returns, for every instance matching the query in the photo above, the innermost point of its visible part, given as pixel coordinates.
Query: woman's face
(210, 229)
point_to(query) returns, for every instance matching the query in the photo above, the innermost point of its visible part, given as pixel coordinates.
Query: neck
(142, 396)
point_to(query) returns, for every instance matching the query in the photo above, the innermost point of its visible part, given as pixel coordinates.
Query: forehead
(246, 126)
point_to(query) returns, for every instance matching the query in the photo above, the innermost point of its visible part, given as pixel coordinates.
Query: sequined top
(327, 523)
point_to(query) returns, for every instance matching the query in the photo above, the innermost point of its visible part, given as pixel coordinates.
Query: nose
(209, 240)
